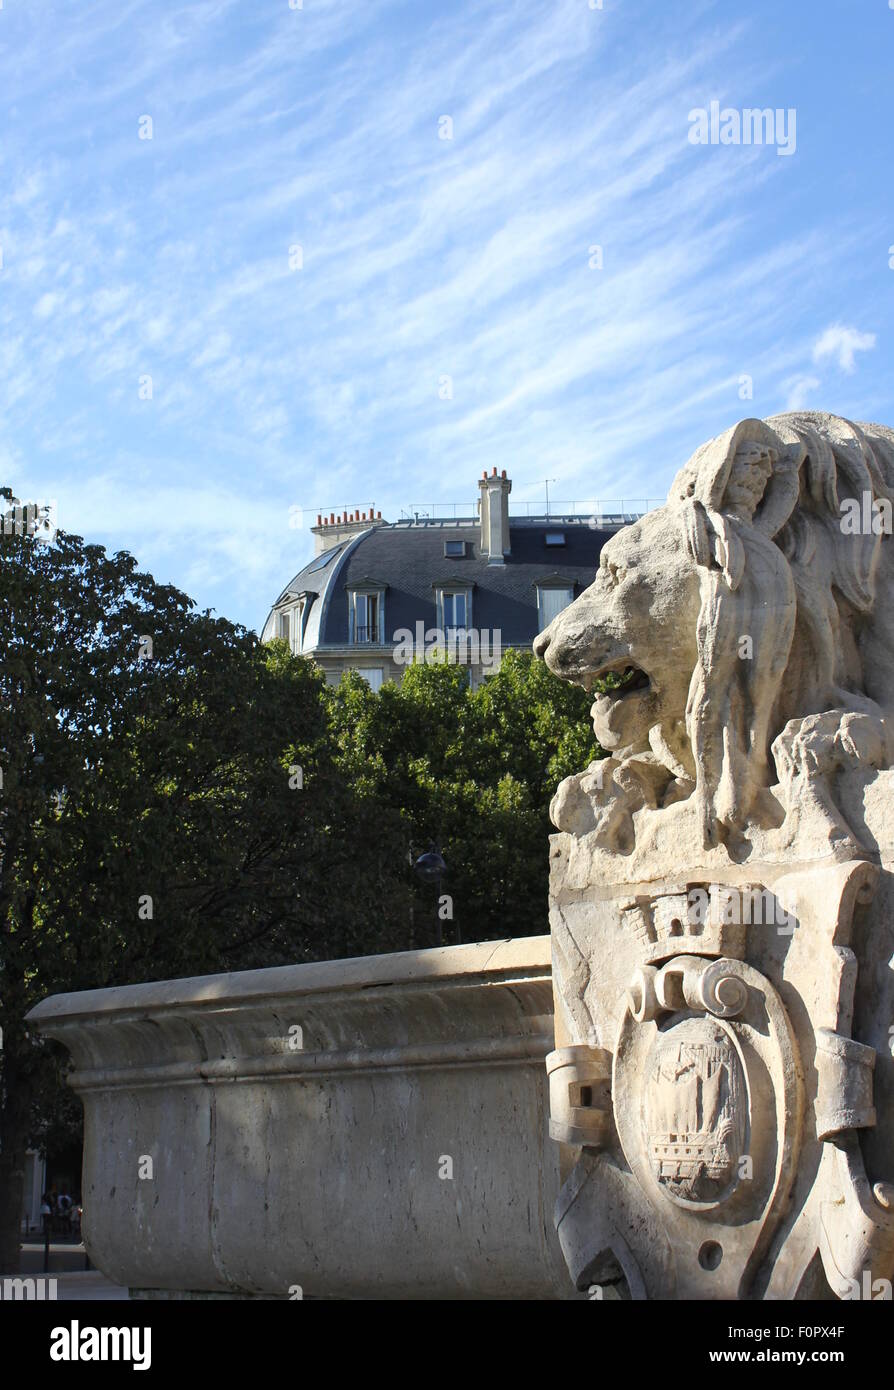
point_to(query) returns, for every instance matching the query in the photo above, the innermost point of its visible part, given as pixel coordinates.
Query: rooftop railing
(555, 511)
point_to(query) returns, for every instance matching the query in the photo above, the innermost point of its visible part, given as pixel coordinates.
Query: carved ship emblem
(696, 1109)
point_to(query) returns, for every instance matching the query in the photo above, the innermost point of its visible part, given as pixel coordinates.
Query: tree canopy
(177, 798)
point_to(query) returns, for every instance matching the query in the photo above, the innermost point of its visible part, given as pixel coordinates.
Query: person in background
(63, 1208)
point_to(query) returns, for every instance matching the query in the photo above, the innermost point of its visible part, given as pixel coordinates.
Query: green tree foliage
(149, 822)
(178, 799)
(472, 772)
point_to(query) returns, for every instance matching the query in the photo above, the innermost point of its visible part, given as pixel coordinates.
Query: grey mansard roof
(407, 560)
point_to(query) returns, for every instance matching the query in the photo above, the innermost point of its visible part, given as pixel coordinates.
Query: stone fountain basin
(366, 1128)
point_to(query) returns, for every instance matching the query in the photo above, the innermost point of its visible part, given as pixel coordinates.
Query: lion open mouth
(620, 681)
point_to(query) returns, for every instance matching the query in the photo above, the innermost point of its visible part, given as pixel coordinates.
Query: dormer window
(455, 550)
(290, 624)
(555, 538)
(454, 611)
(366, 617)
(552, 596)
(366, 613)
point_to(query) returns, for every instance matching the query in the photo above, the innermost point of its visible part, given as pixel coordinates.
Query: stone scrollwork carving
(722, 895)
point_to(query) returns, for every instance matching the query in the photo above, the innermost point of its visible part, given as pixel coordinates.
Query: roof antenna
(547, 481)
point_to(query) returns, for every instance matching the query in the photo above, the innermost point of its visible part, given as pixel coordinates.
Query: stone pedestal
(372, 1128)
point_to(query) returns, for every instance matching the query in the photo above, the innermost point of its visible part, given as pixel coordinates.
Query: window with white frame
(454, 611)
(551, 599)
(367, 615)
(282, 625)
(297, 625)
(373, 675)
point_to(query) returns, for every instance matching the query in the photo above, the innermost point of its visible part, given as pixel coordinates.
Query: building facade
(378, 595)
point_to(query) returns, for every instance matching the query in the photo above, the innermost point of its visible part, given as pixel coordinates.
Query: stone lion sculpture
(722, 886)
(756, 663)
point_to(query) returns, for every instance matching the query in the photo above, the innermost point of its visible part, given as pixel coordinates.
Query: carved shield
(696, 1111)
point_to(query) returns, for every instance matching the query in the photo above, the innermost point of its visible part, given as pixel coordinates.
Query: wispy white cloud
(798, 390)
(841, 343)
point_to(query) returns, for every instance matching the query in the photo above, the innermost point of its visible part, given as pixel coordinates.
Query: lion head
(739, 612)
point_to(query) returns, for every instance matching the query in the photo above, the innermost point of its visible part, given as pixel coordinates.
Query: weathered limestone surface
(722, 886)
(319, 1167)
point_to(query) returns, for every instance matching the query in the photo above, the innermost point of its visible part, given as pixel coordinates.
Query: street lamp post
(431, 868)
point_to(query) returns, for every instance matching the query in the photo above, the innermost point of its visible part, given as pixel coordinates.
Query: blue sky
(275, 386)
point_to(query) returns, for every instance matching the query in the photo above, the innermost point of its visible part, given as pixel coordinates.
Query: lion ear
(710, 538)
(695, 531)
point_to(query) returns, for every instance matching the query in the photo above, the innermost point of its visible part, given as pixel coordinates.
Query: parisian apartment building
(379, 594)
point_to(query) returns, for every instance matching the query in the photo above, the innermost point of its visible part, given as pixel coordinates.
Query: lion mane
(793, 582)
